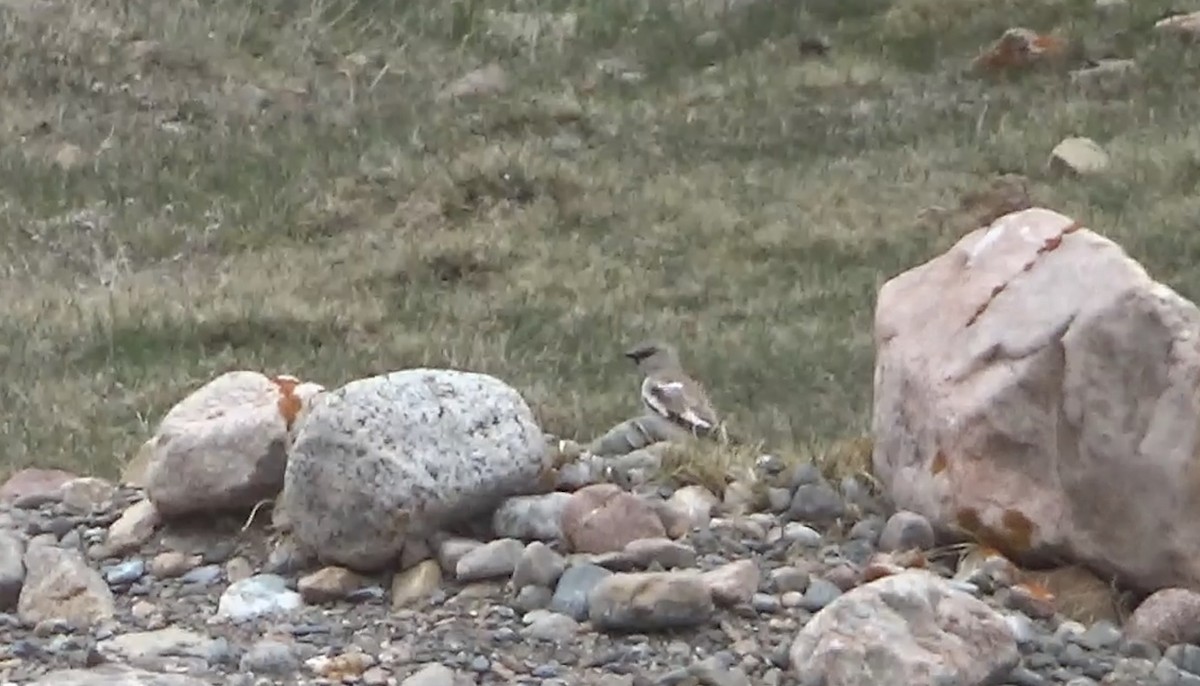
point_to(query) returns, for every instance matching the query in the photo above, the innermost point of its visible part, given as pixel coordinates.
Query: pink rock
(34, 483)
(913, 627)
(1035, 388)
(1165, 618)
(602, 518)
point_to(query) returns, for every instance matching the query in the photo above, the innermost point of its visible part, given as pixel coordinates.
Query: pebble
(719, 605)
(269, 656)
(256, 596)
(819, 594)
(125, 573)
(574, 587)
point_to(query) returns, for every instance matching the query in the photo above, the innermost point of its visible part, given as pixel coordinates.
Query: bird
(668, 391)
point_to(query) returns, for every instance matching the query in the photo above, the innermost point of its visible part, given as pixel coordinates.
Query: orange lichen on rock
(1015, 536)
(289, 403)
(1020, 48)
(1019, 530)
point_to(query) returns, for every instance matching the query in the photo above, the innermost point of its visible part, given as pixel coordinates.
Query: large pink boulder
(1036, 388)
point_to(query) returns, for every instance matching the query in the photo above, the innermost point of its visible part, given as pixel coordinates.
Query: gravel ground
(167, 593)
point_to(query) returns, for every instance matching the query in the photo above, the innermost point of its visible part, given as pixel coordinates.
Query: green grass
(279, 186)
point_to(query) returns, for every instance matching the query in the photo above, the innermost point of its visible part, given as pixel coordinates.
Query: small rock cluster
(662, 585)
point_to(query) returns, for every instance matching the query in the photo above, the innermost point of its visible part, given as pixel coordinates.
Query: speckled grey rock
(407, 452)
(913, 627)
(531, 517)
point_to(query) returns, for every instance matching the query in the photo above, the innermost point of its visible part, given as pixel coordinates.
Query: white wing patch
(674, 390)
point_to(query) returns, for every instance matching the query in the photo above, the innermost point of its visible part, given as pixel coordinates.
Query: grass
(205, 185)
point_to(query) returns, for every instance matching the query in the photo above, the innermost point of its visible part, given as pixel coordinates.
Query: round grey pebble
(1101, 635)
(269, 656)
(819, 594)
(1021, 676)
(906, 530)
(765, 603)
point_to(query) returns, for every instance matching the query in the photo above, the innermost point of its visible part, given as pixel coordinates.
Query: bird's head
(650, 355)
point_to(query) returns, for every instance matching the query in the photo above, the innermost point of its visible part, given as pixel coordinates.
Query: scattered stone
(348, 666)
(237, 569)
(416, 583)
(257, 596)
(539, 565)
(820, 594)
(59, 585)
(913, 627)
(802, 535)
(87, 494)
(786, 579)
(492, 559)
(816, 503)
(329, 584)
(125, 573)
(533, 517)
(114, 675)
(32, 487)
(133, 528)
(663, 552)
(142, 648)
(906, 530)
(451, 550)
(270, 656)
(1165, 618)
(1079, 155)
(172, 564)
(202, 576)
(431, 675)
(224, 446)
(650, 601)
(603, 518)
(692, 506)
(575, 586)
(376, 452)
(544, 625)
(733, 583)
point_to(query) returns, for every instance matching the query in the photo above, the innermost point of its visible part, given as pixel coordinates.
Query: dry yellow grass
(202, 185)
